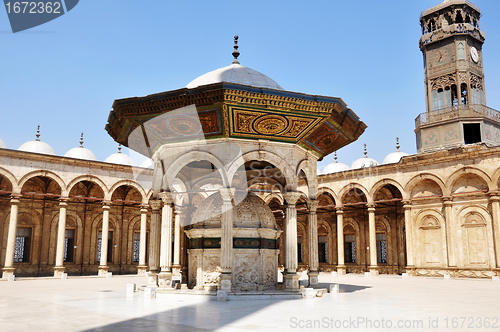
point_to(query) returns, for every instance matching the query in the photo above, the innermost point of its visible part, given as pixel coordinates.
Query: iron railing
(453, 112)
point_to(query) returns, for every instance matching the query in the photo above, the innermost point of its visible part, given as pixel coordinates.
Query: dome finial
(366, 156)
(120, 148)
(335, 157)
(397, 144)
(236, 53)
(81, 141)
(38, 134)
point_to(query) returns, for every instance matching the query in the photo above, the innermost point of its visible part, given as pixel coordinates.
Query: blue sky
(65, 74)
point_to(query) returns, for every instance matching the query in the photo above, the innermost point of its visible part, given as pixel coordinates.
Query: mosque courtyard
(386, 302)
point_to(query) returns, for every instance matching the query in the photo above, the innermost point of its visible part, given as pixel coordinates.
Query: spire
(335, 157)
(38, 134)
(366, 156)
(397, 144)
(236, 53)
(81, 141)
(119, 148)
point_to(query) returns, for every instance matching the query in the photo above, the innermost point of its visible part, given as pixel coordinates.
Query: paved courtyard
(363, 304)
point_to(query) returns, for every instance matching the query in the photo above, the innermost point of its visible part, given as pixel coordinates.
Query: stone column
(495, 210)
(61, 236)
(226, 248)
(410, 267)
(154, 243)
(176, 267)
(165, 276)
(341, 268)
(141, 269)
(373, 240)
(312, 231)
(103, 266)
(8, 269)
(450, 231)
(290, 277)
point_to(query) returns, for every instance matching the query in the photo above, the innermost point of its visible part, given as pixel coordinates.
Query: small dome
(37, 146)
(2, 145)
(148, 163)
(395, 157)
(364, 162)
(335, 167)
(119, 158)
(80, 152)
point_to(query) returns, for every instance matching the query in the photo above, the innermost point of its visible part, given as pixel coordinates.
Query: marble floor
(363, 304)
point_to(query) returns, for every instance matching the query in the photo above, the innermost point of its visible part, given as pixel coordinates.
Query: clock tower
(452, 46)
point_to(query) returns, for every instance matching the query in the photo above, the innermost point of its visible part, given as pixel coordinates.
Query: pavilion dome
(394, 157)
(364, 162)
(80, 152)
(37, 146)
(2, 145)
(335, 167)
(119, 158)
(236, 73)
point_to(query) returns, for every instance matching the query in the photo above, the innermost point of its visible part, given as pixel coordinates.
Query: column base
(225, 282)
(291, 282)
(58, 271)
(313, 278)
(165, 280)
(176, 270)
(8, 272)
(411, 270)
(152, 279)
(102, 271)
(373, 271)
(341, 270)
(141, 270)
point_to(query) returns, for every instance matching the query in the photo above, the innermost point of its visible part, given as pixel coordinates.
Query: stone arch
(275, 183)
(273, 159)
(430, 231)
(478, 181)
(380, 184)
(48, 174)
(268, 198)
(326, 190)
(435, 185)
(310, 175)
(175, 167)
(356, 186)
(131, 184)
(12, 179)
(90, 178)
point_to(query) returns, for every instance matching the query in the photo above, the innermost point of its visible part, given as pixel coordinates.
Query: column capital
(406, 203)
(291, 197)
(155, 204)
(371, 207)
(63, 201)
(494, 196)
(144, 208)
(167, 197)
(106, 205)
(447, 200)
(339, 209)
(227, 194)
(15, 199)
(312, 204)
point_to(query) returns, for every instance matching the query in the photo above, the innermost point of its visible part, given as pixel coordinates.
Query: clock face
(440, 55)
(474, 54)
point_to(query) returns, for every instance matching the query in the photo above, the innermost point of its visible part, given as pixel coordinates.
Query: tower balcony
(456, 112)
(449, 30)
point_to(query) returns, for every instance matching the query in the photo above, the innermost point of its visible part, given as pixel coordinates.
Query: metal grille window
(381, 248)
(299, 249)
(350, 248)
(322, 249)
(69, 245)
(137, 246)
(110, 246)
(23, 245)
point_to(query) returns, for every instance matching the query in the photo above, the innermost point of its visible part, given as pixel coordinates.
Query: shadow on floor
(344, 288)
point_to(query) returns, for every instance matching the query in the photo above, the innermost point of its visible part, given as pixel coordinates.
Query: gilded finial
(365, 152)
(236, 53)
(38, 134)
(397, 144)
(119, 148)
(81, 141)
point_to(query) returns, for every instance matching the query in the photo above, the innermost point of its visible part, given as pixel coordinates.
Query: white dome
(148, 163)
(335, 167)
(394, 157)
(80, 153)
(37, 147)
(119, 158)
(364, 163)
(2, 145)
(236, 73)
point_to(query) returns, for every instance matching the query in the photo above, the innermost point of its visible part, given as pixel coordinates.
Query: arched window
(22, 248)
(69, 245)
(461, 51)
(463, 92)
(381, 248)
(349, 244)
(299, 248)
(440, 96)
(110, 246)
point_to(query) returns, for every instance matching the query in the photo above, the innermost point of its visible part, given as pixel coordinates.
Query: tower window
(463, 92)
(472, 133)
(461, 51)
